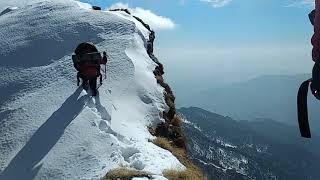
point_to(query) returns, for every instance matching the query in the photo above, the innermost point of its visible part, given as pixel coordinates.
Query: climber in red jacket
(87, 62)
(315, 21)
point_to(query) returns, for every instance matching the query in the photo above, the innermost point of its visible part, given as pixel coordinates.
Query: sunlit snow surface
(50, 128)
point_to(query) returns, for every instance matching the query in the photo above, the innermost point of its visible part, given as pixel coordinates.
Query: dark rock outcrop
(96, 8)
(121, 9)
(167, 129)
(143, 23)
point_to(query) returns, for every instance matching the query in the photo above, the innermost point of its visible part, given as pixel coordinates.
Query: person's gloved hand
(315, 91)
(315, 84)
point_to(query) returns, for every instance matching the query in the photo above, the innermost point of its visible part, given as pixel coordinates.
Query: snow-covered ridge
(50, 128)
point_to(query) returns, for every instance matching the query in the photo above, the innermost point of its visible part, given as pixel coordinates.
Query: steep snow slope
(50, 128)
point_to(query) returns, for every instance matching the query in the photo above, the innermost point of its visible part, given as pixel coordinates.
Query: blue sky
(238, 41)
(239, 21)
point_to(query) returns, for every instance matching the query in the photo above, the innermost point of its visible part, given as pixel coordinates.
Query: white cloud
(301, 3)
(155, 21)
(119, 5)
(217, 3)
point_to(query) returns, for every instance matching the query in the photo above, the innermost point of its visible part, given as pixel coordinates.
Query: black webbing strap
(302, 105)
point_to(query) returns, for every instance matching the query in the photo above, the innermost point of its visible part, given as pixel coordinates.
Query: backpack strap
(302, 105)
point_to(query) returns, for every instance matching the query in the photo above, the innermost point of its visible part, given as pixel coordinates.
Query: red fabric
(89, 69)
(316, 36)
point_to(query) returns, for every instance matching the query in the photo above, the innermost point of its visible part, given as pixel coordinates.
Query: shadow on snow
(24, 164)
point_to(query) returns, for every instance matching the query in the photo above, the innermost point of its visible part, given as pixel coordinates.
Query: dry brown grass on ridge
(176, 121)
(182, 175)
(191, 173)
(125, 174)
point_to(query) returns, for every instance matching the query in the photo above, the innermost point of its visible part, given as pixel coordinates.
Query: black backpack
(86, 52)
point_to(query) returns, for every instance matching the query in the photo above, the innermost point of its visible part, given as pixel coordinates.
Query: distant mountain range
(262, 149)
(271, 97)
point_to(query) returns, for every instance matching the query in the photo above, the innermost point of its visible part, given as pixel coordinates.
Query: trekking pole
(105, 68)
(78, 79)
(100, 78)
